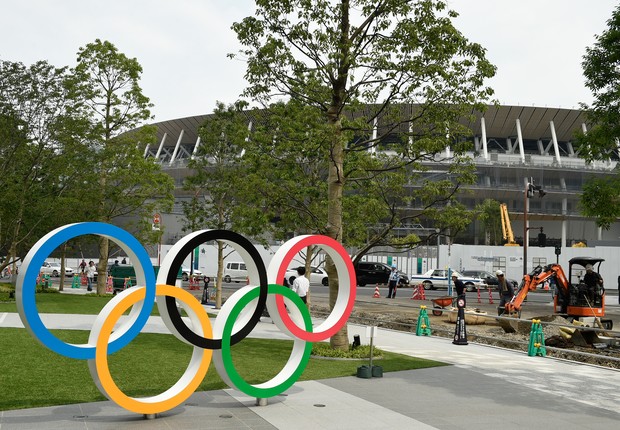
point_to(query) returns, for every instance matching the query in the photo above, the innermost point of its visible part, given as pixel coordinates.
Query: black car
(376, 273)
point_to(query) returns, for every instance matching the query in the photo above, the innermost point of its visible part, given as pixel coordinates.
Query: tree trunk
(61, 285)
(220, 273)
(335, 185)
(102, 267)
(308, 265)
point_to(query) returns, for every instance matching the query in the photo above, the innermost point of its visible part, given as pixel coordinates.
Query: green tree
(357, 63)
(601, 69)
(40, 127)
(219, 183)
(123, 181)
(489, 216)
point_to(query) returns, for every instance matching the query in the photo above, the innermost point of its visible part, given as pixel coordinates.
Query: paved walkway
(485, 388)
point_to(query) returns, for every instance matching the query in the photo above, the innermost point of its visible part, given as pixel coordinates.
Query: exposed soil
(404, 316)
(491, 332)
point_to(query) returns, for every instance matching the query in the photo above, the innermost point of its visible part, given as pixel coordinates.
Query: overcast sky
(537, 45)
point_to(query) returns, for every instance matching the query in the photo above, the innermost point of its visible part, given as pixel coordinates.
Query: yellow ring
(184, 387)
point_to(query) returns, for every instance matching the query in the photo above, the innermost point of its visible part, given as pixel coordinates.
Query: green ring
(236, 379)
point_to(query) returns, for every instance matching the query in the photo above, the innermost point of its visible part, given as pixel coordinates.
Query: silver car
(53, 269)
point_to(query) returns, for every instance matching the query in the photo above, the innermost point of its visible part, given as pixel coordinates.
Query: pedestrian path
(483, 388)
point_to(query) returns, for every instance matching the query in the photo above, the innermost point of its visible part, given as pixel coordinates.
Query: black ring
(172, 310)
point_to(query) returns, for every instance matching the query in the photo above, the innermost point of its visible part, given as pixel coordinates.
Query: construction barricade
(537, 340)
(423, 328)
(193, 283)
(418, 292)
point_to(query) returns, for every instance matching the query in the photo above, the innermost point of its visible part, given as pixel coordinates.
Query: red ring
(286, 319)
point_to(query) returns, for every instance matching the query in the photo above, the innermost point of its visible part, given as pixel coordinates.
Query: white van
(235, 271)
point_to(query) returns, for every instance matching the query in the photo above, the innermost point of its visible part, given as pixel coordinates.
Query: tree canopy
(601, 69)
(123, 182)
(382, 84)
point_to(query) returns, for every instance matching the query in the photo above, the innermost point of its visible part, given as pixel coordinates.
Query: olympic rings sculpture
(235, 321)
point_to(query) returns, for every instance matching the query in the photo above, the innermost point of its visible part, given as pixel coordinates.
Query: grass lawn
(57, 303)
(33, 376)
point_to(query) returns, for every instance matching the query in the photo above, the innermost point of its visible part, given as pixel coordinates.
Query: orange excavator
(574, 301)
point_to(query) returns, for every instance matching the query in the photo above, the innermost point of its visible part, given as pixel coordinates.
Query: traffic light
(542, 239)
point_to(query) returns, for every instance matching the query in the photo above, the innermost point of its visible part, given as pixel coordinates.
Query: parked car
(185, 272)
(53, 269)
(438, 278)
(235, 271)
(376, 273)
(489, 278)
(317, 276)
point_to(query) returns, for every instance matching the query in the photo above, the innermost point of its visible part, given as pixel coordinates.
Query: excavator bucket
(507, 325)
(589, 336)
(579, 340)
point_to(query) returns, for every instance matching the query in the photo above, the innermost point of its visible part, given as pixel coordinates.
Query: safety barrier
(418, 293)
(536, 345)
(423, 327)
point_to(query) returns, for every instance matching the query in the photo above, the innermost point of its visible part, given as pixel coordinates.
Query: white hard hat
(499, 273)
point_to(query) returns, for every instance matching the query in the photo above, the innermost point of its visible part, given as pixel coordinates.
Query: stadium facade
(512, 146)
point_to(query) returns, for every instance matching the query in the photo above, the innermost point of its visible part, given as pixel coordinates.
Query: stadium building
(513, 146)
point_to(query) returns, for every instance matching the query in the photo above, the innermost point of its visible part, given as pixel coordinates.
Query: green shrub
(322, 349)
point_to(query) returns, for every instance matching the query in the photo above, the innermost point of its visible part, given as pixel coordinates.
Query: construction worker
(459, 286)
(594, 283)
(393, 282)
(506, 292)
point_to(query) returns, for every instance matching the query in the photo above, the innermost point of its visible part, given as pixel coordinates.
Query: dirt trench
(489, 333)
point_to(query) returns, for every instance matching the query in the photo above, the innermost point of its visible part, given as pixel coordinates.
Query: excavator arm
(532, 280)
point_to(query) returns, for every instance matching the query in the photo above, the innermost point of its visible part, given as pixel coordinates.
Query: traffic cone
(537, 340)
(418, 293)
(377, 294)
(423, 328)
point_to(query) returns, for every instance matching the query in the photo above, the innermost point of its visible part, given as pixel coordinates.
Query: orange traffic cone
(418, 293)
(377, 294)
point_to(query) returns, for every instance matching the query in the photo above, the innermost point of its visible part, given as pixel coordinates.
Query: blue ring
(26, 300)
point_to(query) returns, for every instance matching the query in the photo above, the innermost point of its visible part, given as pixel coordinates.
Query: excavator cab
(580, 295)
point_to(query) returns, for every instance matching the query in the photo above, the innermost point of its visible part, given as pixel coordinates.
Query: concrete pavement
(484, 388)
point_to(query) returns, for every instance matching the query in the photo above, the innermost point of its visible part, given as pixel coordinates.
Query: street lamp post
(529, 192)
(438, 231)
